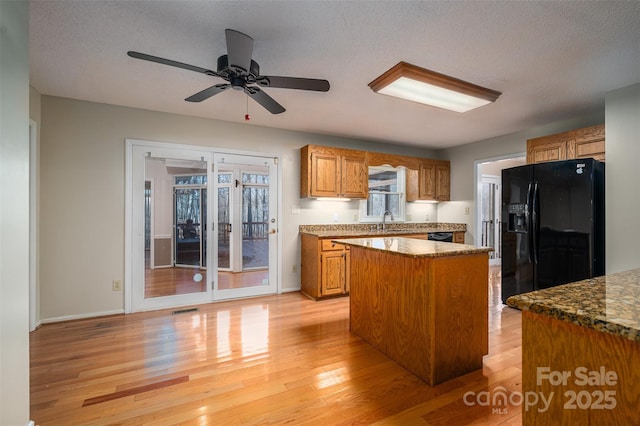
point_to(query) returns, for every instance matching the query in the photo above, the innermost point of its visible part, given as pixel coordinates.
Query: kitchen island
(581, 351)
(422, 303)
(325, 265)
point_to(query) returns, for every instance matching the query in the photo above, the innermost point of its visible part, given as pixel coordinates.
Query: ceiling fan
(241, 73)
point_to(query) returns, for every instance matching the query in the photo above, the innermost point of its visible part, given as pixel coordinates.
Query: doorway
(488, 202)
(490, 199)
(185, 246)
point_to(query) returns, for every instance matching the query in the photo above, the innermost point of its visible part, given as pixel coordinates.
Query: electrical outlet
(466, 211)
(116, 285)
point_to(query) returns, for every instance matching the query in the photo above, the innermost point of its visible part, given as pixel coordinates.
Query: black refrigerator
(552, 224)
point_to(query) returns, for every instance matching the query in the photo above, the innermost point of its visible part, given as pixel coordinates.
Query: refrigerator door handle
(534, 222)
(527, 219)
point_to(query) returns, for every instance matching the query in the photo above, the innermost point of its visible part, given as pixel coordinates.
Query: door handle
(273, 231)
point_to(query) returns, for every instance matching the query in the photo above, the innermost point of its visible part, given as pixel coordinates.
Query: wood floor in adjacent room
(272, 360)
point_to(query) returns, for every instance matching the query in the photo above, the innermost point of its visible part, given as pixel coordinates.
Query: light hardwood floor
(272, 360)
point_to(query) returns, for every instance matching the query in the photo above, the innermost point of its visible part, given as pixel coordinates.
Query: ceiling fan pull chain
(247, 117)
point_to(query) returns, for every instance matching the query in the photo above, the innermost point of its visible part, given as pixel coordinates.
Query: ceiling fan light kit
(410, 82)
(242, 73)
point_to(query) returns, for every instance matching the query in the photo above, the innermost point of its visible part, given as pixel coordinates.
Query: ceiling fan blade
(169, 62)
(208, 92)
(265, 100)
(239, 49)
(296, 83)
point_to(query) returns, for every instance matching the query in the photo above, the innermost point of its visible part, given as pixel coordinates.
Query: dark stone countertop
(412, 247)
(610, 304)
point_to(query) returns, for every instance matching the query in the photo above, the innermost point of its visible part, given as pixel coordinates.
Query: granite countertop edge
(428, 249)
(364, 230)
(563, 311)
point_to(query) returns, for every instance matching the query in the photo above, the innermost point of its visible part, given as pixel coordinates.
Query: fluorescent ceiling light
(417, 84)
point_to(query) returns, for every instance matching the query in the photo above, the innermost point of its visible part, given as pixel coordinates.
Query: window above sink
(386, 194)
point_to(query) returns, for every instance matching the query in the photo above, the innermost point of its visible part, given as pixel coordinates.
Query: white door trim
(33, 225)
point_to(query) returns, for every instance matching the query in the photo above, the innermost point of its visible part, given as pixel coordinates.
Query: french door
(199, 226)
(169, 189)
(246, 226)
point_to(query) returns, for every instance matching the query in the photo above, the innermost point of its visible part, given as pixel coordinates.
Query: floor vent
(184, 311)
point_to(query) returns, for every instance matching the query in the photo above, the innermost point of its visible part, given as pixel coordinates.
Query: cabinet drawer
(328, 245)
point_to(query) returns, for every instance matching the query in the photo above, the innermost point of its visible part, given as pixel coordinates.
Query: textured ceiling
(550, 60)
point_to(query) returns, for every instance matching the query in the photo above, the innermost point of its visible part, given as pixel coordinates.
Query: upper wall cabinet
(333, 172)
(587, 142)
(430, 182)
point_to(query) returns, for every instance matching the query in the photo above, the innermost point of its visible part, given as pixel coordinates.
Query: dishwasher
(446, 237)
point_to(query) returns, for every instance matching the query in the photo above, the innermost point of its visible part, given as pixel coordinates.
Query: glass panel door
(247, 226)
(169, 234)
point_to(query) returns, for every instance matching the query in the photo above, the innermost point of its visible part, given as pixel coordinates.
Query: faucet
(384, 216)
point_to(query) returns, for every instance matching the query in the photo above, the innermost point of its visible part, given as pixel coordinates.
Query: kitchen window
(386, 193)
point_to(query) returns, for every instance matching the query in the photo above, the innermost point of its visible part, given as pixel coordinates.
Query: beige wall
(82, 193)
(622, 177)
(14, 213)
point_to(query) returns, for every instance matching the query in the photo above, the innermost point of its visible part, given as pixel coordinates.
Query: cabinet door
(427, 187)
(587, 149)
(540, 151)
(458, 237)
(587, 142)
(333, 265)
(325, 175)
(355, 177)
(412, 184)
(443, 186)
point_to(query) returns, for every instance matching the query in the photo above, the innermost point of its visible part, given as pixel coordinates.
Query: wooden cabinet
(458, 237)
(325, 267)
(588, 142)
(430, 182)
(354, 175)
(344, 173)
(333, 172)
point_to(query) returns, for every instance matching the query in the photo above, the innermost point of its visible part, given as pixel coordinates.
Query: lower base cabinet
(325, 268)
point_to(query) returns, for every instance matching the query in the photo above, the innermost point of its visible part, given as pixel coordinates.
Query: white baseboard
(81, 316)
